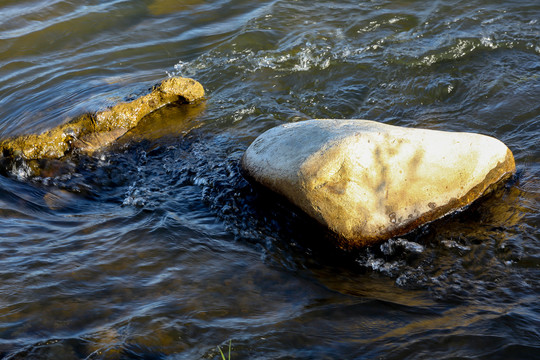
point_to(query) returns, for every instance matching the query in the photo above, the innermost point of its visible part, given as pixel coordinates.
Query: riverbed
(160, 249)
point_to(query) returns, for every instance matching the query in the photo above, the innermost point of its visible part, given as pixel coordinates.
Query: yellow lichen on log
(91, 132)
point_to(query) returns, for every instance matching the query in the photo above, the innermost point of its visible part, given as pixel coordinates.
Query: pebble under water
(159, 249)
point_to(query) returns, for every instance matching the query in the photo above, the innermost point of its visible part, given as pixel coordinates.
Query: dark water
(160, 250)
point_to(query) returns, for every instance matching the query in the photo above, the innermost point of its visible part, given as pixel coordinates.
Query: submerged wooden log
(91, 132)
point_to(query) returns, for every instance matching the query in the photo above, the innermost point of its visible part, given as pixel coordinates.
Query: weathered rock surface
(368, 181)
(91, 132)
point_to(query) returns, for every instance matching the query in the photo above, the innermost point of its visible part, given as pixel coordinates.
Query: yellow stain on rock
(368, 181)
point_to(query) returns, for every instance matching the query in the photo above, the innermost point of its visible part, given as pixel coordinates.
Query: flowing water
(161, 250)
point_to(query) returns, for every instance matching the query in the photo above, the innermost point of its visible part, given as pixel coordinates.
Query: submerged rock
(368, 181)
(91, 132)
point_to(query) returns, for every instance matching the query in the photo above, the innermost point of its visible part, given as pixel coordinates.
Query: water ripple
(161, 249)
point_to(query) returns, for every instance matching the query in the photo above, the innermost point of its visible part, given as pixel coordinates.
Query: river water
(161, 250)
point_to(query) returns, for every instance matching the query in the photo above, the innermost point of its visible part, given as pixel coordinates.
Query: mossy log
(91, 132)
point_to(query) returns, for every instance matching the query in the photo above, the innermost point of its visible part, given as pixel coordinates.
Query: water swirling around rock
(161, 249)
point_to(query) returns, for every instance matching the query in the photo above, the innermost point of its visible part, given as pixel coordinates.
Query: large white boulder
(369, 181)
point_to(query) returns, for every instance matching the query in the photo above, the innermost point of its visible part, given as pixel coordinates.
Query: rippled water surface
(161, 250)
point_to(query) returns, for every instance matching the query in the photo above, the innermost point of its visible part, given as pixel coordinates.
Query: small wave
(21, 170)
(451, 244)
(136, 196)
(391, 246)
(301, 59)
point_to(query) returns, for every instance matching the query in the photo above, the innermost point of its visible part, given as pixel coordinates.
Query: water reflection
(160, 249)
